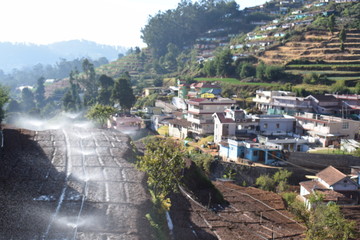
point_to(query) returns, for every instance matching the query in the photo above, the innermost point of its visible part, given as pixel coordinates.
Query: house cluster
(288, 123)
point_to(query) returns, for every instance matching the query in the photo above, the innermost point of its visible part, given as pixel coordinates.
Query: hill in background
(19, 55)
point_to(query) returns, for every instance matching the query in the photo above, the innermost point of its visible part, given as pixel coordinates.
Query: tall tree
(260, 71)
(331, 23)
(223, 63)
(71, 99)
(27, 97)
(89, 82)
(40, 92)
(342, 38)
(106, 85)
(122, 94)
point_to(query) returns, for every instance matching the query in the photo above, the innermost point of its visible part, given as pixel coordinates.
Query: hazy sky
(112, 22)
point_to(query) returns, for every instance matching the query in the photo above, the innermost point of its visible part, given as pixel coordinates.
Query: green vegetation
(4, 98)
(278, 182)
(122, 94)
(195, 18)
(323, 221)
(330, 151)
(100, 113)
(235, 81)
(163, 162)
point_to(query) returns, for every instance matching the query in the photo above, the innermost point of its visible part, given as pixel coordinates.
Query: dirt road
(72, 183)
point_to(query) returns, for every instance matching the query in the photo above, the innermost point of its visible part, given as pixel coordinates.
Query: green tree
(89, 82)
(106, 86)
(202, 160)
(13, 106)
(4, 98)
(68, 102)
(122, 94)
(331, 23)
(170, 62)
(163, 162)
(27, 98)
(247, 70)
(281, 180)
(223, 63)
(209, 68)
(278, 182)
(71, 99)
(100, 113)
(40, 92)
(326, 222)
(357, 88)
(260, 71)
(265, 182)
(273, 73)
(339, 87)
(342, 38)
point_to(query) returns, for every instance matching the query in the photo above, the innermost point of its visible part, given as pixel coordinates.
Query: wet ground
(72, 183)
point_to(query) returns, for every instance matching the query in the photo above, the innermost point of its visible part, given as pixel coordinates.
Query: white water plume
(63, 120)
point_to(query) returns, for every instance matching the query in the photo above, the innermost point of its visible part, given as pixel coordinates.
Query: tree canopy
(183, 25)
(122, 94)
(100, 113)
(163, 162)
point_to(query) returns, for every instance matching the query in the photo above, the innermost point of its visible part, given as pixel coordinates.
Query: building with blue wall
(235, 150)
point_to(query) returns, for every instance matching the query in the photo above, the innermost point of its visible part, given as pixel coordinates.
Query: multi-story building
(200, 111)
(290, 104)
(263, 99)
(324, 104)
(233, 123)
(328, 129)
(276, 124)
(349, 104)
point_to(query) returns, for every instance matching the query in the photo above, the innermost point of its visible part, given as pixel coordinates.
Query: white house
(264, 98)
(231, 122)
(333, 185)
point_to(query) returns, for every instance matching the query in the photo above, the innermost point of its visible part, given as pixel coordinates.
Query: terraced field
(322, 51)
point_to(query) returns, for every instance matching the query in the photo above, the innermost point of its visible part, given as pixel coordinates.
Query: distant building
(200, 111)
(151, 90)
(179, 128)
(232, 123)
(263, 99)
(328, 129)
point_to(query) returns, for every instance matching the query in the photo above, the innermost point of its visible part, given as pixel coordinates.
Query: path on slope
(71, 183)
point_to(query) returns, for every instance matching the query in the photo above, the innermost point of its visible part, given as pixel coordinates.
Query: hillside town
(232, 123)
(283, 126)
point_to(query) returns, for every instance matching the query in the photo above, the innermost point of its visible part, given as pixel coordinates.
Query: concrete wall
(321, 161)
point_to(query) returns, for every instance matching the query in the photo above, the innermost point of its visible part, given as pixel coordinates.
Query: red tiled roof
(331, 175)
(311, 185)
(181, 122)
(222, 118)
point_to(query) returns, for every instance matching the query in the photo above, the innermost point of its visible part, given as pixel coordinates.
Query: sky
(110, 22)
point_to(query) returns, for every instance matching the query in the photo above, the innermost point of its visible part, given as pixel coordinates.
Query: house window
(255, 153)
(265, 125)
(278, 125)
(345, 125)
